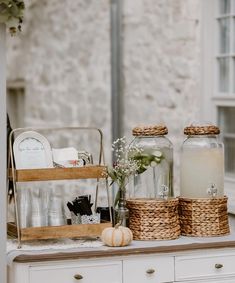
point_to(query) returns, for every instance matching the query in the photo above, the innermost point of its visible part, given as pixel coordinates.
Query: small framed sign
(32, 151)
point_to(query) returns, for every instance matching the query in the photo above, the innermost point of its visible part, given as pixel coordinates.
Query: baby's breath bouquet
(124, 165)
(11, 13)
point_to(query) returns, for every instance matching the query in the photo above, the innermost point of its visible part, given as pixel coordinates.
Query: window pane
(224, 6)
(233, 51)
(227, 126)
(224, 35)
(223, 74)
(229, 145)
(227, 119)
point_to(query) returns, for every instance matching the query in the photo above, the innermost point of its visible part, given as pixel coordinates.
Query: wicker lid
(156, 130)
(201, 130)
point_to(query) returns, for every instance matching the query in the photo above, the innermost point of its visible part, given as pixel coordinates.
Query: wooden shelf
(55, 232)
(65, 231)
(50, 174)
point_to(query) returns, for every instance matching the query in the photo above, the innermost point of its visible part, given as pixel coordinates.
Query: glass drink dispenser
(202, 163)
(155, 177)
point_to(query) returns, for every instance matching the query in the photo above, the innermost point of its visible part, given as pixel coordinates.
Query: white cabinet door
(90, 272)
(204, 266)
(153, 269)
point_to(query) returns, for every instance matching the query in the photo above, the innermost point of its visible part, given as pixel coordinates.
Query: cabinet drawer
(102, 272)
(200, 267)
(148, 269)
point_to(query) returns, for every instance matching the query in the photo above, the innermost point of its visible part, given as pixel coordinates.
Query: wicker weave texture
(201, 130)
(156, 130)
(204, 217)
(153, 219)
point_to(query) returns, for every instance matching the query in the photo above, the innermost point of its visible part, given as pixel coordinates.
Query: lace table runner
(49, 246)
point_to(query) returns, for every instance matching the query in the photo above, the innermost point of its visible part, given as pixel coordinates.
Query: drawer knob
(78, 276)
(218, 265)
(150, 271)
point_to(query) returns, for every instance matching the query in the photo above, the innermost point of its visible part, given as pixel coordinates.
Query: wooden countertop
(97, 253)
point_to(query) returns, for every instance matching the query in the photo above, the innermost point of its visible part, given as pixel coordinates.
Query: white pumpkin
(117, 236)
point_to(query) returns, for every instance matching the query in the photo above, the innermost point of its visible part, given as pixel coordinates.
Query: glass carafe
(154, 178)
(202, 163)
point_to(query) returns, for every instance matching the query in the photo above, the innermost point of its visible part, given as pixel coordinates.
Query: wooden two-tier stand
(50, 174)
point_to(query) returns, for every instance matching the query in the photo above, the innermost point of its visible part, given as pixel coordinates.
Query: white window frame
(211, 99)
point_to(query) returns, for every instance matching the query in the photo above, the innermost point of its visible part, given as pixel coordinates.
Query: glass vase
(121, 211)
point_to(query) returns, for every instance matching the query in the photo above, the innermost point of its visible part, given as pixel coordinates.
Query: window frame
(211, 98)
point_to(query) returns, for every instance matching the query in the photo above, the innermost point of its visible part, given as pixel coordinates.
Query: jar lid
(201, 130)
(157, 130)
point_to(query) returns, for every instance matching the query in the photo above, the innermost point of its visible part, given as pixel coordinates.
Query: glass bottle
(202, 163)
(154, 178)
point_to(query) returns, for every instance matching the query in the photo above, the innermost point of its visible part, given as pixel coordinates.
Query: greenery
(145, 160)
(11, 13)
(129, 161)
(124, 166)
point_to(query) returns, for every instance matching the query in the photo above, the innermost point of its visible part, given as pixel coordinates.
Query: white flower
(125, 166)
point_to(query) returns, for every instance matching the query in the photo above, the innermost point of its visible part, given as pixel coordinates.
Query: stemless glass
(56, 212)
(24, 206)
(37, 208)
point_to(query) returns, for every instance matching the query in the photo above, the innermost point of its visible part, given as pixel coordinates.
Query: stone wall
(63, 54)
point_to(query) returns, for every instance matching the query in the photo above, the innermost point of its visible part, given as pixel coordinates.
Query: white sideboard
(185, 260)
(204, 265)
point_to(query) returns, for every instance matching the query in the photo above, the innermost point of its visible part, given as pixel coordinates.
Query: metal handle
(150, 271)
(78, 276)
(218, 265)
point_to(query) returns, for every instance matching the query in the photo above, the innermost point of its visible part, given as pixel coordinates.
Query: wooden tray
(55, 232)
(50, 174)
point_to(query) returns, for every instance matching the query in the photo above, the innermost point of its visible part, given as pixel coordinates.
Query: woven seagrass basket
(154, 219)
(204, 217)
